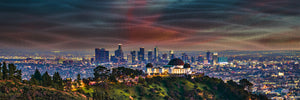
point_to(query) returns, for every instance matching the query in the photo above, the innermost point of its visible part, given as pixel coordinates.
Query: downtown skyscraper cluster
(142, 56)
(102, 55)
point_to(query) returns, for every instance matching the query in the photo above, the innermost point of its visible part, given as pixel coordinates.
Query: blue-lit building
(133, 55)
(171, 54)
(119, 54)
(208, 56)
(141, 54)
(155, 54)
(101, 55)
(150, 56)
(223, 59)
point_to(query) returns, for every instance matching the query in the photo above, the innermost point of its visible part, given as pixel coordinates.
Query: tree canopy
(10, 73)
(46, 79)
(4, 71)
(57, 81)
(101, 73)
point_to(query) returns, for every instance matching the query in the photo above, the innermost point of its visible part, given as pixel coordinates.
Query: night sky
(168, 24)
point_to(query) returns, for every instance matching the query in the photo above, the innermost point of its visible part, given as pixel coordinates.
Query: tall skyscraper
(114, 59)
(129, 58)
(97, 55)
(215, 58)
(171, 55)
(165, 56)
(155, 54)
(184, 57)
(150, 56)
(119, 53)
(101, 55)
(92, 60)
(133, 55)
(141, 54)
(200, 59)
(208, 56)
(193, 59)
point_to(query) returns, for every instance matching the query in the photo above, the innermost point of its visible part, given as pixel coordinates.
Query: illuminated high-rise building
(215, 58)
(119, 53)
(114, 59)
(92, 60)
(141, 54)
(133, 55)
(165, 56)
(193, 59)
(101, 55)
(184, 57)
(150, 56)
(155, 54)
(208, 56)
(129, 58)
(171, 55)
(97, 55)
(200, 59)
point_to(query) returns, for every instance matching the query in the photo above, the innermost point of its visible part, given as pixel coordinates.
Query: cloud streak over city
(169, 24)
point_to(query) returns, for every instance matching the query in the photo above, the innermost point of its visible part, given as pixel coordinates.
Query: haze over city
(169, 24)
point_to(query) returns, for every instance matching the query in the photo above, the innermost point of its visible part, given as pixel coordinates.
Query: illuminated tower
(119, 53)
(208, 56)
(141, 54)
(101, 55)
(129, 58)
(150, 56)
(215, 58)
(133, 55)
(200, 59)
(165, 56)
(155, 54)
(184, 57)
(97, 55)
(171, 55)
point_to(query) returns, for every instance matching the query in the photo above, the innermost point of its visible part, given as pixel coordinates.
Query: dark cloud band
(193, 24)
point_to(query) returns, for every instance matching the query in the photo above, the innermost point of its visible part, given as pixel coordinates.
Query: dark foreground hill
(175, 88)
(11, 90)
(156, 88)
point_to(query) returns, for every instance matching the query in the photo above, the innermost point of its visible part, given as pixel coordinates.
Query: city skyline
(150, 49)
(180, 25)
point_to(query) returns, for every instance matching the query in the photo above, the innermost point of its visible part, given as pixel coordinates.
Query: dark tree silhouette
(19, 75)
(12, 69)
(244, 83)
(11, 73)
(46, 80)
(78, 79)
(1, 74)
(101, 73)
(36, 78)
(57, 81)
(4, 71)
